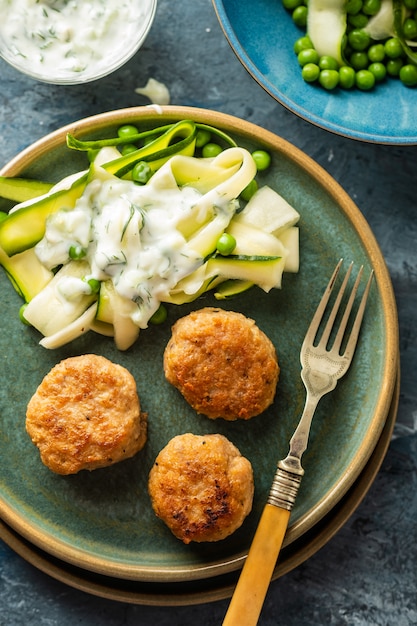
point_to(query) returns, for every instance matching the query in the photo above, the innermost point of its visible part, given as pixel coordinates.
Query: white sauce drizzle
(130, 235)
(158, 93)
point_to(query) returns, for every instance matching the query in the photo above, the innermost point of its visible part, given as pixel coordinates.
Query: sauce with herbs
(68, 37)
(130, 234)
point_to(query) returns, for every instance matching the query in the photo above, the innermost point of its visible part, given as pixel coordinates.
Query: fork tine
(353, 339)
(341, 331)
(318, 315)
(329, 325)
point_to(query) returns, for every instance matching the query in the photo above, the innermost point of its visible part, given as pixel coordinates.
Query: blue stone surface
(366, 575)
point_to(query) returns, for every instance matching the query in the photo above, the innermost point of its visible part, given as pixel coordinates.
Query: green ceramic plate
(103, 521)
(217, 587)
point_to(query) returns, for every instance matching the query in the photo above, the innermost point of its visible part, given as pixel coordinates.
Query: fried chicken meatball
(86, 414)
(201, 487)
(222, 363)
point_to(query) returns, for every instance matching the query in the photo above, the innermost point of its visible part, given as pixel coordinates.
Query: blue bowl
(262, 35)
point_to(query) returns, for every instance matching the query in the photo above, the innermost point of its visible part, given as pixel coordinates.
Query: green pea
(359, 60)
(128, 148)
(309, 55)
(94, 285)
(346, 77)
(225, 244)
(410, 28)
(249, 190)
(202, 138)
(408, 75)
(310, 72)
(358, 21)
(159, 316)
(290, 5)
(371, 7)
(365, 80)
(302, 43)
(22, 314)
(328, 63)
(393, 48)
(76, 252)
(394, 66)
(376, 53)
(262, 160)
(211, 150)
(141, 173)
(299, 16)
(126, 131)
(329, 79)
(378, 70)
(353, 7)
(359, 39)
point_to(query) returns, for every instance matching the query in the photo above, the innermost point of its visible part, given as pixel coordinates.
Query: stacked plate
(96, 531)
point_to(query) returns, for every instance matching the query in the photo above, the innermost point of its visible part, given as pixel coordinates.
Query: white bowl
(73, 43)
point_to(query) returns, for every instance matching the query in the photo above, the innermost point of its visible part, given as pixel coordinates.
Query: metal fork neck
(299, 440)
(289, 472)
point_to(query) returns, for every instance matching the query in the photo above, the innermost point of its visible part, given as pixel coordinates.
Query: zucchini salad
(158, 218)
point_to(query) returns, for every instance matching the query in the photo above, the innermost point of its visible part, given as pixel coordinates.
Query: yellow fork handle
(249, 595)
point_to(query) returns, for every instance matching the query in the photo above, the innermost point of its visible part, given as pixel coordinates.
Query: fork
(322, 366)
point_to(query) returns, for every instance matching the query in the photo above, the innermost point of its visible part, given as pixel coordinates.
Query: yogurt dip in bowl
(72, 41)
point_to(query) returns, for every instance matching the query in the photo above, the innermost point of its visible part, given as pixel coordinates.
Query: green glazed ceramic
(218, 587)
(103, 521)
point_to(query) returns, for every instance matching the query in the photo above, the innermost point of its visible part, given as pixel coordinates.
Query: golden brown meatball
(86, 414)
(222, 363)
(201, 487)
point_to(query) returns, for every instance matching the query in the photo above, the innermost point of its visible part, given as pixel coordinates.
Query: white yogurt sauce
(66, 37)
(157, 92)
(130, 235)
